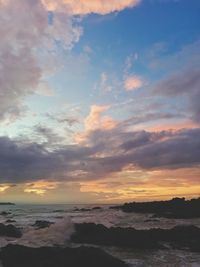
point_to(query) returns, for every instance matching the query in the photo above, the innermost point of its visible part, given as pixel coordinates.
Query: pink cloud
(133, 82)
(83, 7)
(95, 121)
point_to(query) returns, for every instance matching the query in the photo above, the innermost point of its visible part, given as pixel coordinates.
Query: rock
(39, 224)
(5, 213)
(20, 256)
(82, 210)
(10, 231)
(60, 211)
(178, 237)
(96, 208)
(87, 209)
(6, 203)
(10, 221)
(177, 208)
(151, 220)
(58, 217)
(98, 234)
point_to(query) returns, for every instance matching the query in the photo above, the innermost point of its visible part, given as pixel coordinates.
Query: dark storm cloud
(25, 162)
(108, 152)
(164, 150)
(176, 150)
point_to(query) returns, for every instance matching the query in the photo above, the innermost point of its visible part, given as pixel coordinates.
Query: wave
(57, 234)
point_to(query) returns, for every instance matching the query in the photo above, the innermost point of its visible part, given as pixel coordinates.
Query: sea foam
(57, 234)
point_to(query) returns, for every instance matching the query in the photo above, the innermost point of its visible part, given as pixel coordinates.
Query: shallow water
(65, 216)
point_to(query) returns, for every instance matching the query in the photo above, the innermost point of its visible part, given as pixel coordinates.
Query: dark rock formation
(39, 224)
(58, 217)
(10, 221)
(5, 213)
(177, 208)
(178, 237)
(60, 211)
(6, 203)
(20, 256)
(152, 220)
(96, 208)
(98, 234)
(9, 230)
(87, 209)
(82, 210)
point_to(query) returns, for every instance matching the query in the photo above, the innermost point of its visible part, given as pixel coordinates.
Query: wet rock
(60, 211)
(10, 231)
(5, 213)
(20, 256)
(177, 208)
(98, 234)
(180, 237)
(58, 217)
(87, 209)
(39, 224)
(10, 221)
(82, 210)
(152, 220)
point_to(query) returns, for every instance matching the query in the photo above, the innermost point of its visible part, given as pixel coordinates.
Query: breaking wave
(57, 234)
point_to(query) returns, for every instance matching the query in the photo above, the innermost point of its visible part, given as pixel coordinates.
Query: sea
(64, 216)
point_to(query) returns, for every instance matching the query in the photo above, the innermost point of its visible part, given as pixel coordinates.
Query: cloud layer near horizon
(107, 152)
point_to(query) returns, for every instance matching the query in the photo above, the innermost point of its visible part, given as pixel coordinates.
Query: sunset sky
(99, 100)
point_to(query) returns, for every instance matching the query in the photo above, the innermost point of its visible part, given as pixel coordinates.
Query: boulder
(179, 237)
(20, 256)
(10, 231)
(39, 224)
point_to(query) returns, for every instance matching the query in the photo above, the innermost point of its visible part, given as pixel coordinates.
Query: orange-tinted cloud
(178, 125)
(3, 188)
(83, 7)
(133, 83)
(131, 184)
(95, 120)
(40, 187)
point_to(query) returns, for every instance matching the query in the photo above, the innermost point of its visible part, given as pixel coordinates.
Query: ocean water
(64, 217)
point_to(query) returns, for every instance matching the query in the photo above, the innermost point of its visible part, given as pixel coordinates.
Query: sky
(99, 100)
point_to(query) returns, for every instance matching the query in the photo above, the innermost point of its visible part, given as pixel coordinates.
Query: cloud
(133, 83)
(23, 48)
(3, 188)
(20, 161)
(40, 187)
(108, 152)
(186, 84)
(63, 118)
(84, 7)
(45, 90)
(95, 120)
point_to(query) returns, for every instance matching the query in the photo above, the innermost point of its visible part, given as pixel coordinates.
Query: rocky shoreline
(20, 256)
(179, 237)
(176, 208)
